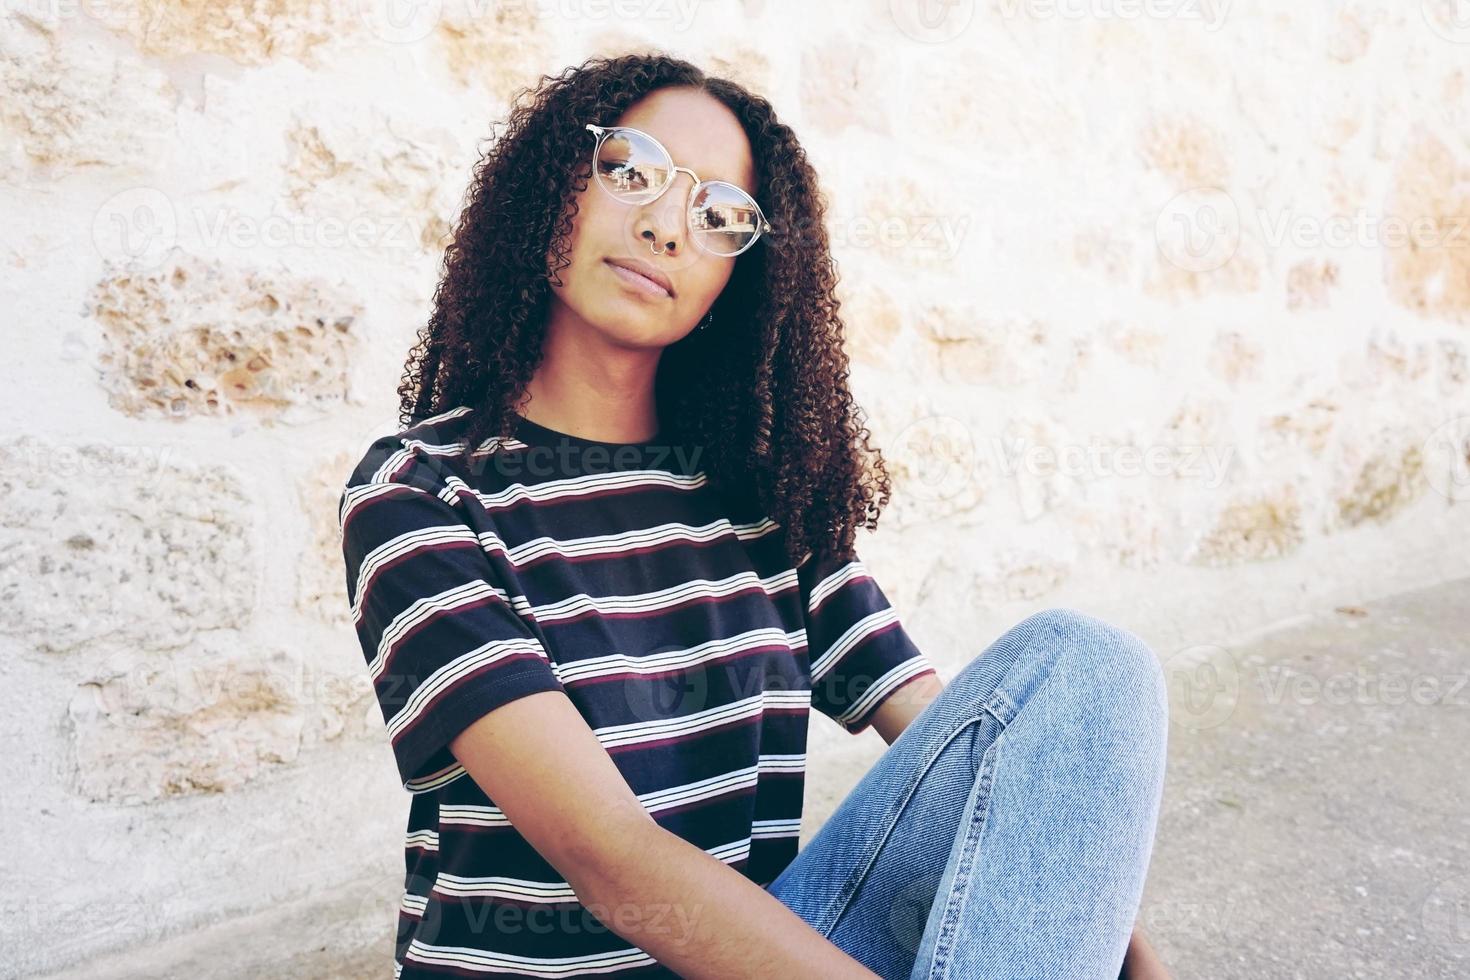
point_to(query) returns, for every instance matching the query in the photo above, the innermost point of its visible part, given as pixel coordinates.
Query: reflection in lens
(724, 217)
(632, 166)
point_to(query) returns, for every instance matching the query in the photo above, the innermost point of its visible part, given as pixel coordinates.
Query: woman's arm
(689, 910)
(1140, 962)
(903, 705)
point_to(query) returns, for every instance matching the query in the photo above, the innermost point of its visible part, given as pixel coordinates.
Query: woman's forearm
(702, 918)
(1140, 962)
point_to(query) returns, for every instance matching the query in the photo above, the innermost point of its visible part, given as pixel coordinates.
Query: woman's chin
(637, 332)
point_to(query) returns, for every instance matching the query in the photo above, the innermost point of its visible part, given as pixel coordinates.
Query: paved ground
(1316, 817)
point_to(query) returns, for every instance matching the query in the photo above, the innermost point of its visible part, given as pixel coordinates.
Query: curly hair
(763, 392)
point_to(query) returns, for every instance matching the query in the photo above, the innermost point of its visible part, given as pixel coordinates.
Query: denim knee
(1117, 664)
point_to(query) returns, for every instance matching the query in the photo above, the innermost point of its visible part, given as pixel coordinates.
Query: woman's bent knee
(1110, 664)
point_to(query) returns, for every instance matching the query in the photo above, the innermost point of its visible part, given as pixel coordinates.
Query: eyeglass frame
(602, 133)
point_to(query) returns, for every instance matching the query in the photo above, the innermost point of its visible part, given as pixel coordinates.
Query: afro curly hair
(763, 393)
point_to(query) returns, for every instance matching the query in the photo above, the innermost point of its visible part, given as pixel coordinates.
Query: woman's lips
(641, 283)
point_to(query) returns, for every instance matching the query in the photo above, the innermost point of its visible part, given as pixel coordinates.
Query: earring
(706, 321)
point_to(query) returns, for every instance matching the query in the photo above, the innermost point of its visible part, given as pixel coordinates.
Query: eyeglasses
(635, 168)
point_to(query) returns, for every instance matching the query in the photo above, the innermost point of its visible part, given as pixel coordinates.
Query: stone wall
(1158, 309)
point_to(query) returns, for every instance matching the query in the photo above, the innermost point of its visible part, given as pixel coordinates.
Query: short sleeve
(858, 649)
(442, 643)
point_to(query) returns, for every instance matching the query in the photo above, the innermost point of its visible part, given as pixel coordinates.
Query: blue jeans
(1007, 831)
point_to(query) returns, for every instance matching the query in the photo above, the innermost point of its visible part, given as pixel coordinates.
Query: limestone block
(971, 348)
(1428, 268)
(208, 717)
(1236, 358)
(1136, 344)
(367, 187)
(1309, 284)
(874, 321)
(1129, 532)
(1019, 574)
(133, 545)
(253, 33)
(321, 578)
(842, 85)
(1189, 150)
(61, 108)
(743, 64)
(183, 722)
(195, 337)
(1309, 425)
(995, 110)
(1388, 480)
(494, 47)
(1253, 526)
(1199, 421)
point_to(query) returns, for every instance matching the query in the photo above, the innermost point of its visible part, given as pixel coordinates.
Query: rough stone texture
(321, 578)
(1187, 150)
(206, 718)
(1138, 345)
(1265, 525)
(1432, 186)
(61, 109)
(1236, 358)
(499, 49)
(1309, 284)
(1308, 426)
(387, 190)
(969, 347)
(192, 720)
(747, 64)
(841, 89)
(1387, 482)
(873, 320)
(110, 545)
(198, 337)
(251, 33)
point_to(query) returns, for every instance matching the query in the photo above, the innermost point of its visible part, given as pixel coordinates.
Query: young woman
(608, 566)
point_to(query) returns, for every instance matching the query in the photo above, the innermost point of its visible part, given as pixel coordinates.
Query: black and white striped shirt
(615, 574)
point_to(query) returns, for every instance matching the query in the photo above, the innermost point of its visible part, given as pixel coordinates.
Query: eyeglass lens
(635, 168)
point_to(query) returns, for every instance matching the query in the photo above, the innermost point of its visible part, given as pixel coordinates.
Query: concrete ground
(1316, 814)
(1315, 824)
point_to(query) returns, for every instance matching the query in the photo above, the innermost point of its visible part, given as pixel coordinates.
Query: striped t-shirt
(616, 574)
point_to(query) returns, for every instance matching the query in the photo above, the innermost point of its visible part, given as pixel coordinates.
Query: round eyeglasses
(635, 168)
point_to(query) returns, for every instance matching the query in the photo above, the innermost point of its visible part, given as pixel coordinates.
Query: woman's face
(701, 134)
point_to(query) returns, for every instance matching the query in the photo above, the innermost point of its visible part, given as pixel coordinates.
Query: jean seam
(844, 896)
(944, 944)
